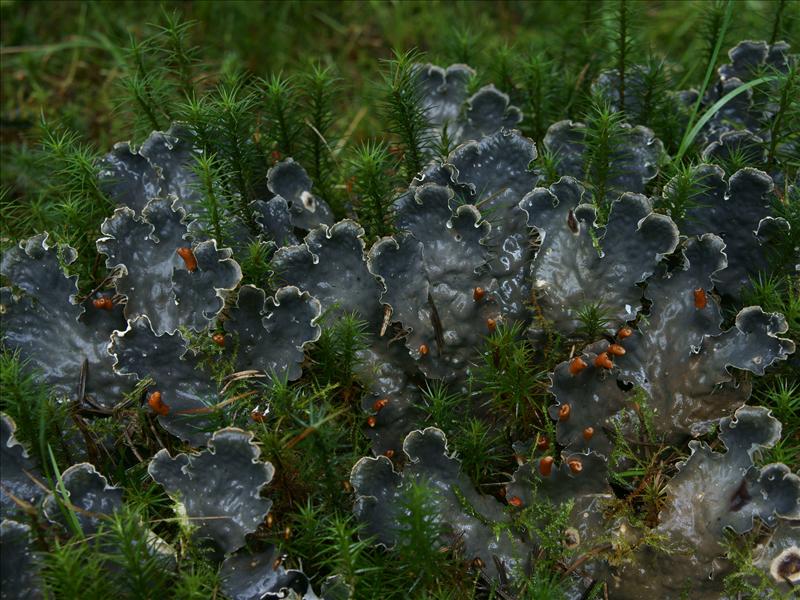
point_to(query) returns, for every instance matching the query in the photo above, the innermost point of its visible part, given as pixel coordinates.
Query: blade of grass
(62, 498)
(710, 68)
(690, 135)
(79, 42)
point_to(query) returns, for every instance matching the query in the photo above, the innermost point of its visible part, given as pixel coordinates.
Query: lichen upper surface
(331, 266)
(20, 567)
(740, 212)
(713, 491)
(379, 497)
(456, 116)
(188, 393)
(88, 495)
(218, 489)
(633, 162)
(570, 274)
(682, 358)
(288, 180)
(66, 342)
(494, 174)
(162, 167)
(262, 576)
(269, 334)
(163, 275)
(20, 478)
(430, 276)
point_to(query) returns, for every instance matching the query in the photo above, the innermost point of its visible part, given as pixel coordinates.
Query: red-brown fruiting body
(258, 416)
(276, 155)
(158, 406)
(379, 405)
(700, 299)
(543, 443)
(104, 302)
(616, 350)
(515, 501)
(546, 466)
(576, 365)
(423, 349)
(478, 293)
(624, 332)
(603, 360)
(564, 411)
(270, 520)
(371, 421)
(491, 325)
(389, 453)
(287, 533)
(588, 433)
(477, 563)
(218, 339)
(572, 222)
(188, 258)
(575, 466)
